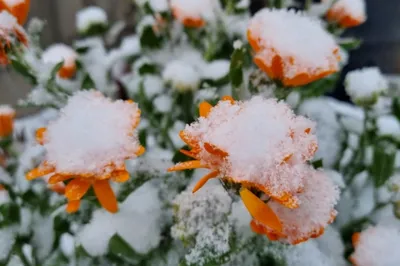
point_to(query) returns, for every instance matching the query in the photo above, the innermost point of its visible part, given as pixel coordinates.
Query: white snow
(156, 5)
(6, 110)
(59, 52)
(182, 76)
(43, 235)
(4, 197)
(67, 244)
(388, 125)
(13, 3)
(152, 85)
(365, 84)
(195, 9)
(163, 103)
(7, 240)
(89, 16)
(355, 9)
(216, 69)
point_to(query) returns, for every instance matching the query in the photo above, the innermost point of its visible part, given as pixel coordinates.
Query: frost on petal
(92, 134)
(316, 210)
(377, 246)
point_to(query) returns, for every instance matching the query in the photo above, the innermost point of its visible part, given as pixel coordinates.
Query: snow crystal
(7, 240)
(91, 133)
(141, 210)
(59, 52)
(89, 16)
(195, 9)
(163, 103)
(388, 125)
(302, 43)
(216, 69)
(67, 244)
(365, 84)
(377, 246)
(182, 76)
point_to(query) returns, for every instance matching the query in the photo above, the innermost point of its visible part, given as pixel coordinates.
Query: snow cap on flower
(347, 13)
(291, 47)
(194, 13)
(316, 210)
(92, 16)
(181, 76)
(6, 120)
(376, 246)
(18, 8)
(10, 33)
(58, 53)
(365, 85)
(89, 144)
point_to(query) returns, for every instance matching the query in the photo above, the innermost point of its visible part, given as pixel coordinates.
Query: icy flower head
(182, 76)
(259, 145)
(10, 33)
(18, 8)
(89, 144)
(347, 13)
(194, 13)
(6, 120)
(376, 246)
(365, 85)
(292, 47)
(58, 53)
(89, 17)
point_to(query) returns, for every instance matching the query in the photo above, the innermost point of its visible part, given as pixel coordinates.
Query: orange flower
(101, 147)
(57, 53)
(277, 38)
(194, 13)
(10, 30)
(6, 121)
(242, 143)
(190, 22)
(347, 13)
(18, 9)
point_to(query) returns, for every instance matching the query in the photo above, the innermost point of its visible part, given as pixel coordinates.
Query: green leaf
(236, 71)
(87, 83)
(147, 69)
(11, 214)
(318, 163)
(119, 248)
(383, 163)
(24, 71)
(396, 108)
(149, 39)
(95, 30)
(350, 43)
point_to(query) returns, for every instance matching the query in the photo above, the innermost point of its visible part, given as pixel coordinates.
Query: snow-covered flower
(92, 16)
(376, 246)
(261, 144)
(347, 13)
(278, 39)
(10, 31)
(58, 53)
(182, 76)
(18, 8)
(6, 120)
(194, 13)
(364, 86)
(89, 144)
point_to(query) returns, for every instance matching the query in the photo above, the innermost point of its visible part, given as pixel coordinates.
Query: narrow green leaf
(396, 107)
(24, 71)
(119, 248)
(236, 72)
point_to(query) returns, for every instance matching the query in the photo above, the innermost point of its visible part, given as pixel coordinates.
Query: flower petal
(204, 109)
(40, 135)
(140, 151)
(73, 206)
(106, 195)
(54, 179)
(76, 189)
(39, 171)
(186, 165)
(204, 180)
(120, 176)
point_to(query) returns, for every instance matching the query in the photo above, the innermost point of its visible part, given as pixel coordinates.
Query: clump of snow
(182, 76)
(348, 9)
(377, 246)
(152, 85)
(156, 5)
(67, 244)
(8, 23)
(163, 103)
(238, 44)
(58, 53)
(308, 254)
(195, 9)
(336, 177)
(4, 197)
(283, 33)
(141, 210)
(388, 125)
(7, 240)
(6, 110)
(216, 70)
(365, 85)
(43, 235)
(13, 3)
(15, 261)
(207, 94)
(90, 16)
(91, 133)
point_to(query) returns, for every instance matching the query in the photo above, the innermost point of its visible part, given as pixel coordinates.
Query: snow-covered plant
(108, 172)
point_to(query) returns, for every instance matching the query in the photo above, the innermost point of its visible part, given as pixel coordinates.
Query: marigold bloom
(89, 144)
(6, 120)
(263, 146)
(292, 47)
(18, 8)
(347, 13)
(57, 53)
(10, 31)
(376, 246)
(194, 13)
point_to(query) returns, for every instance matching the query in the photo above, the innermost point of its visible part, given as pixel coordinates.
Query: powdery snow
(91, 133)
(195, 9)
(365, 84)
(163, 103)
(7, 110)
(12, 3)
(388, 125)
(355, 9)
(7, 240)
(216, 69)
(181, 75)
(378, 246)
(89, 16)
(302, 43)
(57, 53)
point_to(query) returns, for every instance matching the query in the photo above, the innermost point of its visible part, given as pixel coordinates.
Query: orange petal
(40, 135)
(186, 165)
(140, 151)
(355, 239)
(204, 180)
(260, 210)
(106, 195)
(189, 153)
(307, 130)
(73, 206)
(257, 228)
(40, 171)
(204, 109)
(76, 189)
(287, 158)
(58, 188)
(228, 98)
(54, 179)
(215, 150)
(120, 176)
